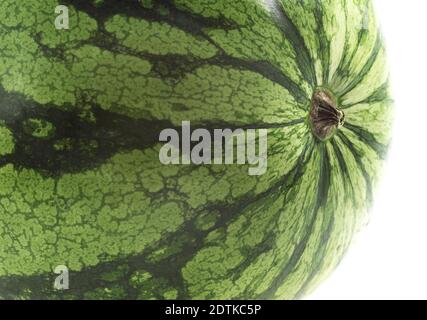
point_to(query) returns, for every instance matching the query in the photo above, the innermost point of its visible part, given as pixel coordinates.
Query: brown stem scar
(325, 117)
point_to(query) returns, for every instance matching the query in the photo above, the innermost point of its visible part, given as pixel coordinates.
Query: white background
(389, 258)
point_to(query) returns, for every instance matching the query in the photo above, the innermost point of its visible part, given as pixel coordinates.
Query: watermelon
(81, 110)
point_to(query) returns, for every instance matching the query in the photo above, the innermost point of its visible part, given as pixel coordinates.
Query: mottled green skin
(81, 184)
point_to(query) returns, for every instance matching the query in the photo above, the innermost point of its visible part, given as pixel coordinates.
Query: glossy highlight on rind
(80, 113)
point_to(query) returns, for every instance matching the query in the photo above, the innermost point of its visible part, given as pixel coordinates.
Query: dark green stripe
(268, 71)
(321, 202)
(380, 95)
(292, 34)
(347, 57)
(178, 17)
(369, 139)
(176, 66)
(110, 133)
(167, 270)
(290, 265)
(366, 68)
(343, 165)
(324, 43)
(358, 158)
(326, 235)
